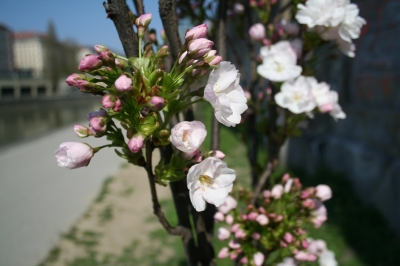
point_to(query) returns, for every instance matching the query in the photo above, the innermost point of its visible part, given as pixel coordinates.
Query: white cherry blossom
(225, 94)
(188, 136)
(327, 13)
(296, 96)
(209, 181)
(279, 62)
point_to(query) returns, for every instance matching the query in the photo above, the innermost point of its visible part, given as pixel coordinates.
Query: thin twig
(118, 12)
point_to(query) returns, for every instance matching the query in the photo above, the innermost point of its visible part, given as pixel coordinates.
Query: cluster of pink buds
(276, 223)
(197, 52)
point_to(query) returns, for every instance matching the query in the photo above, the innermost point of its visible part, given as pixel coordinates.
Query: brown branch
(168, 16)
(180, 195)
(139, 7)
(118, 12)
(261, 182)
(179, 230)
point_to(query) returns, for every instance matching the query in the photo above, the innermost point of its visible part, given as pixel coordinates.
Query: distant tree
(52, 56)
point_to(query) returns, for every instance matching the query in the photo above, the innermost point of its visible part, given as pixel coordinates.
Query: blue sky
(81, 20)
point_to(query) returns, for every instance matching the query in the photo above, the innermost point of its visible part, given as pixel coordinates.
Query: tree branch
(118, 12)
(139, 7)
(261, 182)
(168, 16)
(179, 230)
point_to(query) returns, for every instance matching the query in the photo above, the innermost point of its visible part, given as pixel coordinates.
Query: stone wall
(366, 145)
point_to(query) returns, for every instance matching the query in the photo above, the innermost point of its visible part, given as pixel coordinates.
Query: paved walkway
(39, 200)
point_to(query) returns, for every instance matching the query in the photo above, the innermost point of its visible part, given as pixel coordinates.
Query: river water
(26, 120)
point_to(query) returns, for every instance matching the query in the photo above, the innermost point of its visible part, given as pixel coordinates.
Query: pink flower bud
(234, 244)
(81, 131)
(244, 217)
(304, 194)
(108, 101)
(136, 143)
(229, 219)
(73, 155)
(197, 32)
(301, 255)
(277, 191)
(215, 61)
(262, 210)
(84, 85)
(90, 62)
(182, 57)
(233, 256)
(199, 47)
(144, 20)
(156, 103)
(98, 125)
(219, 216)
(223, 234)
(247, 94)
(238, 8)
(285, 177)
(309, 203)
(304, 243)
(257, 32)
(262, 219)
(123, 83)
(118, 105)
(266, 193)
(283, 244)
(244, 260)
(288, 237)
(252, 216)
(235, 228)
(258, 258)
(240, 234)
(223, 253)
(71, 80)
(256, 236)
(108, 58)
(101, 48)
(312, 257)
(323, 192)
(229, 204)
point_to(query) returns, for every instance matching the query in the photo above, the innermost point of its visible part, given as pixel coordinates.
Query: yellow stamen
(205, 181)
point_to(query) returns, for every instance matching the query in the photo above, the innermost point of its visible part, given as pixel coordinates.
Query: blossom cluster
(276, 226)
(143, 98)
(334, 20)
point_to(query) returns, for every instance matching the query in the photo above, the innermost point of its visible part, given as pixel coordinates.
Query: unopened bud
(90, 62)
(238, 8)
(85, 86)
(108, 101)
(144, 20)
(197, 32)
(71, 79)
(108, 58)
(123, 83)
(120, 63)
(98, 125)
(156, 103)
(101, 48)
(199, 47)
(163, 51)
(118, 105)
(81, 131)
(136, 143)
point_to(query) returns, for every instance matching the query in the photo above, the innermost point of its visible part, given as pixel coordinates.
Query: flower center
(297, 97)
(278, 67)
(185, 135)
(216, 88)
(205, 181)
